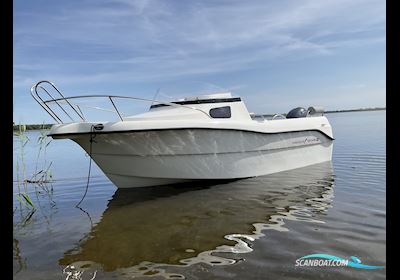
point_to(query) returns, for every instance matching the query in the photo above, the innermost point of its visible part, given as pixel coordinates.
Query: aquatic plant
(19, 260)
(42, 174)
(22, 196)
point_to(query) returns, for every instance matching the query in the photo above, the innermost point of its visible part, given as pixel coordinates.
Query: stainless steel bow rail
(76, 111)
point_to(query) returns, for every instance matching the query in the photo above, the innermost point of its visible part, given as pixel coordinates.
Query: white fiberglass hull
(159, 157)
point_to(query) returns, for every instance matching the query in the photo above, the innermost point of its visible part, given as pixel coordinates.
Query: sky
(275, 54)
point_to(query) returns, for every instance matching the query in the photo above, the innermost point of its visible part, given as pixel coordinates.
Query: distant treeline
(339, 111)
(48, 126)
(16, 127)
(356, 110)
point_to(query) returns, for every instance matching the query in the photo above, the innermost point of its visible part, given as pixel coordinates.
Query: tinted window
(221, 112)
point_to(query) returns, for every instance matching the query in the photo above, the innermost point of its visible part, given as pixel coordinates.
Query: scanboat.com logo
(329, 260)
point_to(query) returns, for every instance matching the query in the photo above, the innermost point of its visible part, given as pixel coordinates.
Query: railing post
(66, 100)
(61, 107)
(115, 107)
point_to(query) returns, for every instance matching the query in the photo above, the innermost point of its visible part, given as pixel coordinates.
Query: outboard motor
(298, 112)
(316, 110)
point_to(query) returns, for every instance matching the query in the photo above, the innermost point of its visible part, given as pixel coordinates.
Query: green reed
(23, 139)
(42, 174)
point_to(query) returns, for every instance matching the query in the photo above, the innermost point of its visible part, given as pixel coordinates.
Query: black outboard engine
(298, 112)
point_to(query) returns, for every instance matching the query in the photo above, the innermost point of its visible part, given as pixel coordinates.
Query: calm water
(247, 229)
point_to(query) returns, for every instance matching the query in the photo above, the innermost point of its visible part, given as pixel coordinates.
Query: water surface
(247, 229)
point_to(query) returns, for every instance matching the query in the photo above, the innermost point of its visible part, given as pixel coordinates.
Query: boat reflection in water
(145, 230)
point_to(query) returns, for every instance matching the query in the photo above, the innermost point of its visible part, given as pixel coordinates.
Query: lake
(247, 229)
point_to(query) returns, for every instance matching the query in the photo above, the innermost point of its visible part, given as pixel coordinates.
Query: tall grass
(42, 174)
(23, 139)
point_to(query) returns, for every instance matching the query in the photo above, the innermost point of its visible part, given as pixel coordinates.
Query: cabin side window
(221, 112)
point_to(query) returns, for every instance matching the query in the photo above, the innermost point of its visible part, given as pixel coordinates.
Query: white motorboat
(195, 138)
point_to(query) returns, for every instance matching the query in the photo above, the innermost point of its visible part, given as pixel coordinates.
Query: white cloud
(147, 40)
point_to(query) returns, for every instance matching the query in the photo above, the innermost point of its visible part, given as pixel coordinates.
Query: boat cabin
(220, 106)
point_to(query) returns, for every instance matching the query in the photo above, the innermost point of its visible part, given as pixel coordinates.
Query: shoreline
(355, 110)
(48, 126)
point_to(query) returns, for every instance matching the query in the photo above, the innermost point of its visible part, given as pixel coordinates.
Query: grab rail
(44, 103)
(278, 116)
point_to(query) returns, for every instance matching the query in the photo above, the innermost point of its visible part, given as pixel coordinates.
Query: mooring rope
(92, 136)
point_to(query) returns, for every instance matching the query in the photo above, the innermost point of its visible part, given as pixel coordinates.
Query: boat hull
(160, 157)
